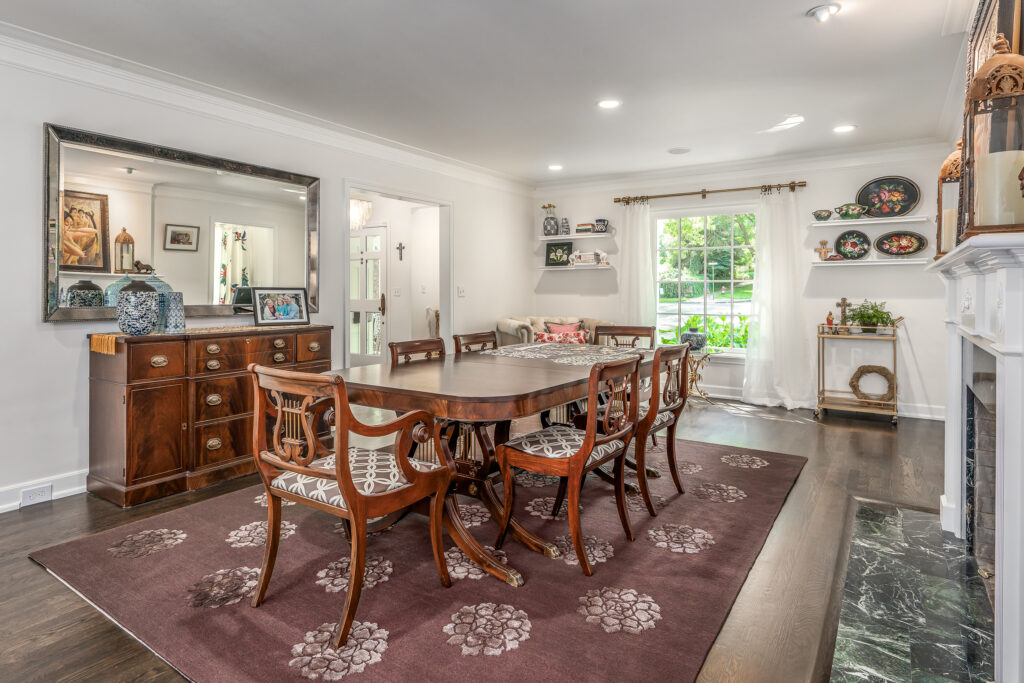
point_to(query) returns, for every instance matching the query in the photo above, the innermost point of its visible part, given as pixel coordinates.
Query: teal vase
(161, 289)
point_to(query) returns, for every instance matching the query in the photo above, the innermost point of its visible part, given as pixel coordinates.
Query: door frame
(385, 254)
(446, 254)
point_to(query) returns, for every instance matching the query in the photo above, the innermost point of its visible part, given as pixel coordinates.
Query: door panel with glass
(367, 296)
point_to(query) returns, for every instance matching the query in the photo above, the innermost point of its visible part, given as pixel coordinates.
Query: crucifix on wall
(843, 304)
(400, 248)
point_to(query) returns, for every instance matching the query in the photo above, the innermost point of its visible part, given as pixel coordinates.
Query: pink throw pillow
(577, 337)
(562, 328)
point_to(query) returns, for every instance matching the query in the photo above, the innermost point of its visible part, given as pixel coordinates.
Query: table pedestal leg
(472, 548)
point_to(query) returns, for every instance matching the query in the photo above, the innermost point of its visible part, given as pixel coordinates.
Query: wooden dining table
(485, 387)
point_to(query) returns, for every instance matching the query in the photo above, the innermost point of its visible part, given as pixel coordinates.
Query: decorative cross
(823, 249)
(400, 248)
(843, 304)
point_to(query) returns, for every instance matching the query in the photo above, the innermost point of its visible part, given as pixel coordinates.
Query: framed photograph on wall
(181, 237)
(557, 253)
(279, 306)
(85, 233)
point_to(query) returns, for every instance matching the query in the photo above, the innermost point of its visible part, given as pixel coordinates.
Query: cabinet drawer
(222, 397)
(156, 360)
(218, 347)
(313, 346)
(270, 343)
(220, 365)
(274, 359)
(221, 441)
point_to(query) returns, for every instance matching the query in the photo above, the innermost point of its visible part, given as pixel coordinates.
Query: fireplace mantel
(985, 307)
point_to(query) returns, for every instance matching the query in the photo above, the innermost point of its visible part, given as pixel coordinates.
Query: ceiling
(512, 86)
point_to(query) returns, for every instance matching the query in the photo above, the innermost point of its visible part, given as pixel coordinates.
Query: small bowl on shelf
(821, 214)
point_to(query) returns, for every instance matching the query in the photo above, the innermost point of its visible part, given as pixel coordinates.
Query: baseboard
(918, 410)
(67, 484)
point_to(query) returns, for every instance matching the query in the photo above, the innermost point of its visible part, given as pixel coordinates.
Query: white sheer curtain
(235, 264)
(636, 270)
(779, 353)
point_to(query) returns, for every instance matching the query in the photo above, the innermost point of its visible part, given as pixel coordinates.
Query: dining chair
(566, 451)
(482, 341)
(355, 484)
(624, 336)
(408, 351)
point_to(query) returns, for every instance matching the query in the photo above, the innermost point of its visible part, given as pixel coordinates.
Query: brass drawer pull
(279, 343)
(213, 365)
(212, 348)
(158, 361)
(314, 346)
(213, 444)
(213, 400)
(279, 357)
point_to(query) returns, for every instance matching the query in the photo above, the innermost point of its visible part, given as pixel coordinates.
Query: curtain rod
(791, 185)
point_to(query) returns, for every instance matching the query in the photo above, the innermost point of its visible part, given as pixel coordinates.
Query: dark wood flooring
(779, 629)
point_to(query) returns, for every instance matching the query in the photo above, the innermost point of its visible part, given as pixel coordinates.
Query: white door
(367, 296)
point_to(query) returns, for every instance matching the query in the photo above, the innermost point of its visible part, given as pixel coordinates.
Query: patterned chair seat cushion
(559, 441)
(373, 472)
(663, 419)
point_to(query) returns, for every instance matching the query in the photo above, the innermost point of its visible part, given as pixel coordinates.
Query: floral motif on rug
(532, 480)
(145, 543)
(596, 549)
(254, 534)
(315, 658)
(541, 507)
(635, 502)
(620, 609)
(719, 493)
(335, 577)
(681, 538)
(461, 567)
(224, 587)
(488, 629)
(747, 462)
(686, 467)
(261, 500)
(473, 515)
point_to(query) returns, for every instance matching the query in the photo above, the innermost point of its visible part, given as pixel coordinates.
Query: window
(705, 277)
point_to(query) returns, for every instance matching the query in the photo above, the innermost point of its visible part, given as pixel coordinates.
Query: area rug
(180, 582)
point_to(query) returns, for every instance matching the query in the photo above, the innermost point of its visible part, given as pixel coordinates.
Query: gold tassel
(103, 343)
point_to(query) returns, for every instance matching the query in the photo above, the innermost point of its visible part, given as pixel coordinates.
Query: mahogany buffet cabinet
(172, 413)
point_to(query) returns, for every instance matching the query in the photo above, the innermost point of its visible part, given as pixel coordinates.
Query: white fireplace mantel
(985, 307)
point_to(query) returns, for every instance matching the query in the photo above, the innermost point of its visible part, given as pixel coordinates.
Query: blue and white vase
(160, 287)
(110, 293)
(137, 309)
(174, 307)
(85, 294)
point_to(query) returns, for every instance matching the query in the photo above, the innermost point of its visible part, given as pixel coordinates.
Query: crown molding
(780, 168)
(41, 54)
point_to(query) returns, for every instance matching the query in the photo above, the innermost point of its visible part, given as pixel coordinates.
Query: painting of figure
(84, 235)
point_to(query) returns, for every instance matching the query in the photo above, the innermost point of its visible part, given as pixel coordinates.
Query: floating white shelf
(580, 267)
(875, 262)
(574, 236)
(853, 222)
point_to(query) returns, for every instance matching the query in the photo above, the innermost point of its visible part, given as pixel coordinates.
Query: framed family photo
(85, 233)
(181, 237)
(279, 306)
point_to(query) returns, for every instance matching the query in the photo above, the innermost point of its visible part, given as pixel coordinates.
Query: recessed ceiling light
(845, 128)
(129, 170)
(555, 167)
(823, 13)
(609, 104)
(679, 150)
(789, 122)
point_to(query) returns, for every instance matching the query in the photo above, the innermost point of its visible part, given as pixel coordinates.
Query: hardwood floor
(779, 629)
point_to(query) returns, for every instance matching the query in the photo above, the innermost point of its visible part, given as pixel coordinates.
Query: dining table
(491, 387)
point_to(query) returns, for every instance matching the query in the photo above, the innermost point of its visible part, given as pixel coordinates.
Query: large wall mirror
(206, 226)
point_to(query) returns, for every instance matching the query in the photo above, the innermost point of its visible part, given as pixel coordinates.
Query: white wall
(44, 408)
(423, 257)
(831, 181)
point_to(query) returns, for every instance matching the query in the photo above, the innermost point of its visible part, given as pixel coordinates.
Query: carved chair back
(669, 381)
(624, 336)
(619, 381)
(288, 407)
(480, 340)
(415, 350)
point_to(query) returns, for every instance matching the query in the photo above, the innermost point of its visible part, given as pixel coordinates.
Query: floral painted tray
(853, 245)
(901, 243)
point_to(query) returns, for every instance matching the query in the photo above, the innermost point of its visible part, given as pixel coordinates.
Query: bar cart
(855, 400)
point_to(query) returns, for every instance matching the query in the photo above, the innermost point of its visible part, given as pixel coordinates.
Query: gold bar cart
(848, 400)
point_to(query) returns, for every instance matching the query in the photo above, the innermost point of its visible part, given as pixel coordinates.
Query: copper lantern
(949, 201)
(995, 151)
(124, 252)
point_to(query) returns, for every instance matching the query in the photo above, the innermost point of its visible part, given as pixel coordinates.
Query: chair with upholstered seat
(416, 350)
(568, 452)
(482, 341)
(355, 484)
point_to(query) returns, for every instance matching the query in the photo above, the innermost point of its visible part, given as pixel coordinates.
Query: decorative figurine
(830, 322)
(823, 249)
(602, 257)
(143, 268)
(550, 221)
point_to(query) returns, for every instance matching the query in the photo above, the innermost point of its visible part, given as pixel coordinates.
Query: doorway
(395, 282)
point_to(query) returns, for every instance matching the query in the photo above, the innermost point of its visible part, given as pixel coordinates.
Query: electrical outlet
(37, 494)
(398, 292)
(423, 289)
(460, 291)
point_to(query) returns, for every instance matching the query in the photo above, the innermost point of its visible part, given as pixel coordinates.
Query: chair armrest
(517, 329)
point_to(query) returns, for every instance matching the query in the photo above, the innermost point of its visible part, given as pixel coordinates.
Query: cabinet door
(156, 431)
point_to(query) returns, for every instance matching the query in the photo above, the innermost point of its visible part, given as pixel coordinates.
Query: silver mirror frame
(52, 159)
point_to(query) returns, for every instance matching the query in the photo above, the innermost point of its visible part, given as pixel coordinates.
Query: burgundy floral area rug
(181, 582)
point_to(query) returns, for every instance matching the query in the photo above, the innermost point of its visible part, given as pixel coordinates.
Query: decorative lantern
(124, 252)
(949, 201)
(995, 153)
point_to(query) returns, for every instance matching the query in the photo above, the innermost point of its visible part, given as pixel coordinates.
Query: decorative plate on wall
(852, 245)
(901, 243)
(889, 196)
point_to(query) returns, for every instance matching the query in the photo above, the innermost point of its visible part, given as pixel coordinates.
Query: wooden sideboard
(173, 413)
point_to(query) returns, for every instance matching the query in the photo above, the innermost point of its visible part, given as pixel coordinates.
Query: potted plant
(871, 315)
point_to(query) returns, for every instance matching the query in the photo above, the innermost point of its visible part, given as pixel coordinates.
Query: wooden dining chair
(355, 484)
(624, 336)
(481, 340)
(416, 350)
(569, 452)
